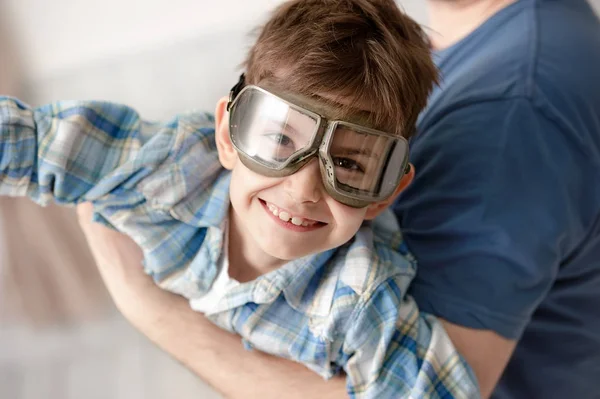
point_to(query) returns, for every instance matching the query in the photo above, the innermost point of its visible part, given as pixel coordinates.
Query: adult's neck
(452, 20)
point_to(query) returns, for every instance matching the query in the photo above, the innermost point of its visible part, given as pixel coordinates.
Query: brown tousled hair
(365, 51)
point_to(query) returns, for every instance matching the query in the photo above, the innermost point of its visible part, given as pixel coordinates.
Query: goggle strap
(235, 90)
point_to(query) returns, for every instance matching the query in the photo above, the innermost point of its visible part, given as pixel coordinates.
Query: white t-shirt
(223, 283)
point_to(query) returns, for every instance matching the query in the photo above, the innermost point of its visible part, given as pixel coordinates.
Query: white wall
(54, 36)
(158, 55)
(58, 35)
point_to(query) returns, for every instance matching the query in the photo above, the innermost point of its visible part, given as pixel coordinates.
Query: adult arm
(486, 218)
(377, 356)
(215, 355)
(486, 351)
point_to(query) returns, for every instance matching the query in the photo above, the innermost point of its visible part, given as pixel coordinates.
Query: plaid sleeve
(393, 351)
(71, 151)
(137, 174)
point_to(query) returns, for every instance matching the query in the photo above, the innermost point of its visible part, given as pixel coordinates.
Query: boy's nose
(305, 185)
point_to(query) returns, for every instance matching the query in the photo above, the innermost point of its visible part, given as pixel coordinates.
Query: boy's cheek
(347, 218)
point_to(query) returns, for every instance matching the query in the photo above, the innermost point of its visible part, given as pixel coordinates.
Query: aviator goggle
(275, 136)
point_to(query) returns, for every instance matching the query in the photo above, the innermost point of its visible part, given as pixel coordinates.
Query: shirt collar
(300, 281)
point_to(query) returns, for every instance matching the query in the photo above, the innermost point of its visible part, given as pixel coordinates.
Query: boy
(309, 149)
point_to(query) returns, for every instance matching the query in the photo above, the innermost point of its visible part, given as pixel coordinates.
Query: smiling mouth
(290, 220)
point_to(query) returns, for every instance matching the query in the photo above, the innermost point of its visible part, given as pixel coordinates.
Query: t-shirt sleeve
(488, 212)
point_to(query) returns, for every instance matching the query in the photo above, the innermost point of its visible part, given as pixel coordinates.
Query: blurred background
(60, 336)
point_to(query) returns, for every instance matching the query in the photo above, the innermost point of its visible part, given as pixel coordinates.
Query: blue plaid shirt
(344, 309)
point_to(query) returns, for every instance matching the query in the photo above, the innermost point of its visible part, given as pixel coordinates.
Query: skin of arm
(486, 352)
(216, 355)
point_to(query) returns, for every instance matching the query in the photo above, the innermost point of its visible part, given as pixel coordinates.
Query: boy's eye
(279, 138)
(348, 164)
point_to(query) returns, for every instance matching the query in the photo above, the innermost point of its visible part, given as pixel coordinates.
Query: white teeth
(283, 215)
(274, 210)
(297, 221)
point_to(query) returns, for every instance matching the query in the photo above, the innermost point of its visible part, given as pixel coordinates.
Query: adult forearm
(215, 355)
(219, 358)
(486, 352)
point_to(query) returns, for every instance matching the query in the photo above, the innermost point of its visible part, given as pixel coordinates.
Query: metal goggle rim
(327, 161)
(320, 145)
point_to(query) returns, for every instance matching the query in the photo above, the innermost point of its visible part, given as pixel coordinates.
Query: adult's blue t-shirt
(504, 212)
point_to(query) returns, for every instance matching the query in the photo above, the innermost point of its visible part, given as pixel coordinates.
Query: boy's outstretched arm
(215, 355)
(71, 151)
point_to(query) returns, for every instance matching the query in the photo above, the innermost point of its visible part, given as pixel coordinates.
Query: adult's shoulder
(507, 156)
(547, 52)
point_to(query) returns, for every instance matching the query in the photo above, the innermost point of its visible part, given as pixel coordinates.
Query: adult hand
(116, 257)
(215, 355)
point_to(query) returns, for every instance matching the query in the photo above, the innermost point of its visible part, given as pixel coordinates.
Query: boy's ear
(376, 208)
(227, 153)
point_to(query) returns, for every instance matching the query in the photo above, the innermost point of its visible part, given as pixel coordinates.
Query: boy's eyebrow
(284, 127)
(352, 151)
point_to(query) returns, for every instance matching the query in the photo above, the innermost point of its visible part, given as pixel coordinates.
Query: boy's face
(293, 216)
